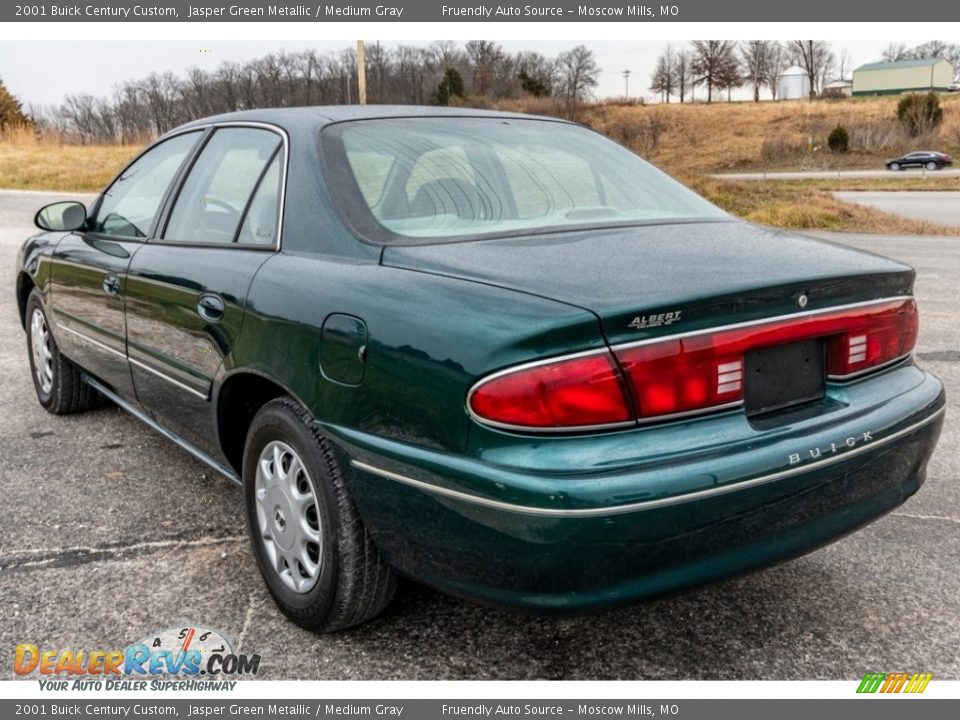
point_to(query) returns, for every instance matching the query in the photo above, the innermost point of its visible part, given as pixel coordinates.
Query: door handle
(111, 284)
(210, 307)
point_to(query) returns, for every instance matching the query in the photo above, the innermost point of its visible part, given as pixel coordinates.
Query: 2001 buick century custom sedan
(496, 353)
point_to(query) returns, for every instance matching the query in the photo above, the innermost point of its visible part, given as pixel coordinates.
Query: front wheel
(894, 166)
(317, 559)
(57, 381)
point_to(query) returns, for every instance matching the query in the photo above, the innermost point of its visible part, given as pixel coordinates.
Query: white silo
(793, 84)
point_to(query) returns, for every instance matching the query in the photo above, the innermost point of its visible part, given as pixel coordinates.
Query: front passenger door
(89, 267)
(186, 291)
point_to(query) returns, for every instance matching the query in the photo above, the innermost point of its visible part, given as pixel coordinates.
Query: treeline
(718, 66)
(441, 73)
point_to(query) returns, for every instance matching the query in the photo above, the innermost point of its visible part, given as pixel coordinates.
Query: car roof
(304, 118)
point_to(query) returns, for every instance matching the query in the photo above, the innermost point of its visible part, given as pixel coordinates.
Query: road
(111, 532)
(836, 174)
(937, 206)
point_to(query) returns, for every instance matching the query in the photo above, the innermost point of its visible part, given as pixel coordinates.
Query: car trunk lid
(649, 281)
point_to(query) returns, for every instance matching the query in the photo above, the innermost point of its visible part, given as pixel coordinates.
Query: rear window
(416, 179)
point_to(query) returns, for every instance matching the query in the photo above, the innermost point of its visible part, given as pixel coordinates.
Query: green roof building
(893, 78)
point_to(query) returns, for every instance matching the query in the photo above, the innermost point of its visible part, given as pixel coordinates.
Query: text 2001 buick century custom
(496, 353)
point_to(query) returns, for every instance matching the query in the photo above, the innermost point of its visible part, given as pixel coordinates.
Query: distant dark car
(925, 158)
(496, 353)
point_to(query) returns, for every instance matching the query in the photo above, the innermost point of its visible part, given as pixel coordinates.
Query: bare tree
(940, 50)
(682, 75)
(578, 71)
(483, 56)
(756, 57)
(664, 74)
(711, 63)
(844, 65)
(895, 52)
(778, 59)
(730, 75)
(816, 58)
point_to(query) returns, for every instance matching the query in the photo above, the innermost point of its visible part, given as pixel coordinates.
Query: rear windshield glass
(456, 177)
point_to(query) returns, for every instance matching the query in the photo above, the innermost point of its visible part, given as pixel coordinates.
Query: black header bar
(439, 11)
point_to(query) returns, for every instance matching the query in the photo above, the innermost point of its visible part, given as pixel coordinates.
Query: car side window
(211, 204)
(129, 206)
(260, 223)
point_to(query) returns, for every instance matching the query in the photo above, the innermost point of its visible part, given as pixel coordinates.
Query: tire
(931, 166)
(57, 381)
(318, 561)
(894, 166)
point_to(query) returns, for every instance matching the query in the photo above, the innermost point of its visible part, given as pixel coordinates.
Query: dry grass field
(804, 206)
(689, 141)
(31, 163)
(790, 135)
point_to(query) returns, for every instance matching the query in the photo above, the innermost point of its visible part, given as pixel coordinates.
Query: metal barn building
(893, 78)
(793, 84)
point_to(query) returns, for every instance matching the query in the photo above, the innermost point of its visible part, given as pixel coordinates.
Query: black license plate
(784, 375)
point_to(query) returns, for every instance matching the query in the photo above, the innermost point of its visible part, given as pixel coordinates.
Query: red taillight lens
(574, 393)
(686, 374)
(683, 375)
(703, 371)
(873, 339)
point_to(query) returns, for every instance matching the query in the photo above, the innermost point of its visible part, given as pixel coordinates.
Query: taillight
(686, 374)
(704, 371)
(873, 339)
(575, 393)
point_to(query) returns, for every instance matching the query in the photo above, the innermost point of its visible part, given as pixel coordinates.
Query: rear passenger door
(186, 290)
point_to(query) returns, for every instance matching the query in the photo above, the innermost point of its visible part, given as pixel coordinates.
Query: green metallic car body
(381, 345)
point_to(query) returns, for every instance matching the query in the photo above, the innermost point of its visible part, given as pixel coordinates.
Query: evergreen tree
(11, 111)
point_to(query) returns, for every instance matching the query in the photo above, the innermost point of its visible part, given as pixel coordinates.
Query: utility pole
(361, 74)
(626, 83)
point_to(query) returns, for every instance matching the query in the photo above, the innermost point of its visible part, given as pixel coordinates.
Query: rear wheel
(317, 559)
(57, 381)
(931, 166)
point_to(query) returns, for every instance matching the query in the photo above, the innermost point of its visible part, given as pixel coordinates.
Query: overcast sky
(43, 73)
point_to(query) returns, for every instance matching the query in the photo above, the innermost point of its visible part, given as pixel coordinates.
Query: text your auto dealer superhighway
(100, 11)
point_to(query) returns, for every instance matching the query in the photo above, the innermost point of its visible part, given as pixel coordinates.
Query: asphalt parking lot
(939, 206)
(111, 532)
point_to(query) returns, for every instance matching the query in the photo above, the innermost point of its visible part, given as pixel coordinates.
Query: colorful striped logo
(894, 682)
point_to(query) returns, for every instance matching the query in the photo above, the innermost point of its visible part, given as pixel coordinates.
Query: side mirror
(61, 216)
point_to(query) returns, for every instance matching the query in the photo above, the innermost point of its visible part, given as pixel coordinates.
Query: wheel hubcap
(287, 517)
(42, 353)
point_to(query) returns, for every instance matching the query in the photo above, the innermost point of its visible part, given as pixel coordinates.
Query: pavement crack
(941, 355)
(44, 558)
(247, 619)
(919, 516)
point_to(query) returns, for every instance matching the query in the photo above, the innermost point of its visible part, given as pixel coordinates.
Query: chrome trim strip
(164, 376)
(643, 504)
(198, 454)
(865, 371)
(612, 349)
(87, 338)
(805, 315)
(706, 412)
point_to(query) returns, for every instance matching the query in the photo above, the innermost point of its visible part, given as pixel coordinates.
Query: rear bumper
(572, 524)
